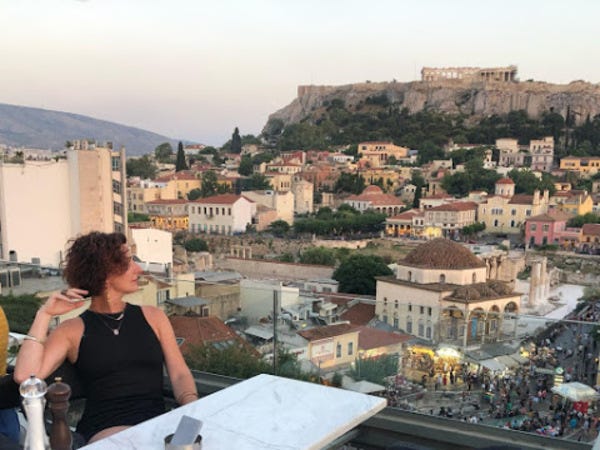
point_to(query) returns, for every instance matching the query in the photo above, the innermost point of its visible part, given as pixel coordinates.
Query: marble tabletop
(263, 412)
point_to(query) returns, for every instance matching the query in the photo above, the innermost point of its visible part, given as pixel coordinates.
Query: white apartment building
(221, 214)
(43, 204)
(281, 202)
(152, 245)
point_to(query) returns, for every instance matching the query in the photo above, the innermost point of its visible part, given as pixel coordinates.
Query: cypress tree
(180, 164)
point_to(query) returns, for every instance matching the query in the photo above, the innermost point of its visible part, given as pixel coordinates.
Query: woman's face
(126, 282)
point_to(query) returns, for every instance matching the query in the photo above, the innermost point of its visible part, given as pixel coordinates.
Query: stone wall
(260, 269)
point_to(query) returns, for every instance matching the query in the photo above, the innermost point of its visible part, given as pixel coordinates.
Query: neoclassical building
(441, 293)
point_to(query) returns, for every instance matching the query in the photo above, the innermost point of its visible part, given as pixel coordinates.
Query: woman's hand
(64, 301)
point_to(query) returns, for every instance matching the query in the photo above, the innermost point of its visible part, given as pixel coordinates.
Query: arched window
(421, 328)
(442, 278)
(409, 324)
(428, 330)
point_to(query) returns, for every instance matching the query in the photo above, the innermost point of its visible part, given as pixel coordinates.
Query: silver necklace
(117, 330)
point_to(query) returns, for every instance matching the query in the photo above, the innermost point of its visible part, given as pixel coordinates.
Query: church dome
(442, 254)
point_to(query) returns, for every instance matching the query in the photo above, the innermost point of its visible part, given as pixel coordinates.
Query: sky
(195, 69)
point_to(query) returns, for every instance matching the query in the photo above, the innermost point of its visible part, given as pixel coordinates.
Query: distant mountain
(22, 126)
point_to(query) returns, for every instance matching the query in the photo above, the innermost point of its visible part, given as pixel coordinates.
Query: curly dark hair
(91, 258)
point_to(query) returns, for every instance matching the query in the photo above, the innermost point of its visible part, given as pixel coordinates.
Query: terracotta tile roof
(592, 229)
(456, 206)
(505, 181)
(375, 196)
(200, 330)
(370, 338)
(521, 199)
(556, 216)
(407, 215)
(359, 314)
(172, 201)
(316, 334)
(221, 199)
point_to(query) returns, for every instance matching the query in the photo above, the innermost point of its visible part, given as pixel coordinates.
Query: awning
(263, 333)
(492, 364)
(507, 361)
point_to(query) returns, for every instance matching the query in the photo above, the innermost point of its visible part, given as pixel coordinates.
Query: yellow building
(178, 185)
(332, 346)
(377, 153)
(391, 180)
(506, 212)
(138, 196)
(170, 215)
(586, 166)
(574, 202)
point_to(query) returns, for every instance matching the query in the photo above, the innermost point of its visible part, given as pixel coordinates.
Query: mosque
(441, 293)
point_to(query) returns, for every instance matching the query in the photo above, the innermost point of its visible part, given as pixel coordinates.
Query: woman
(117, 349)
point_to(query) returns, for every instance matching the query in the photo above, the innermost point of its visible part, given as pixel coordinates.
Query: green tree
(133, 217)
(142, 167)
(163, 152)
(210, 185)
(20, 311)
(416, 179)
(236, 141)
(196, 245)
(351, 183)
(318, 255)
(357, 273)
(234, 361)
(579, 221)
(279, 228)
(246, 167)
(257, 182)
(375, 369)
(180, 163)
(194, 194)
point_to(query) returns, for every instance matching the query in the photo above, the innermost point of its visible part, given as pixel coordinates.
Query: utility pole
(275, 307)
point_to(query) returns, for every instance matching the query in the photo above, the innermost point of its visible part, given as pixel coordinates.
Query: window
(429, 311)
(410, 307)
(513, 212)
(546, 227)
(338, 351)
(533, 227)
(409, 275)
(229, 211)
(116, 163)
(421, 329)
(422, 309)
(350, 348)
(395, 304)
(396, 323)
(409, 324)
(385, 318)
(116, 187)
(117, 209)
(384, 301)
(428, 332)
(442, 278)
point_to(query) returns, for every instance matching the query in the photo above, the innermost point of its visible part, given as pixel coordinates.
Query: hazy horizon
(194, 70)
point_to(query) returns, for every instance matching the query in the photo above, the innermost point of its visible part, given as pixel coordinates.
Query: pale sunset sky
(195, 69)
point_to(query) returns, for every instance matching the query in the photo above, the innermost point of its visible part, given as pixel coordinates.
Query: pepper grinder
(33, 390)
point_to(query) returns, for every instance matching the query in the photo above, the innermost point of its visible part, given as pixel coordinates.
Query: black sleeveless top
(121, 374)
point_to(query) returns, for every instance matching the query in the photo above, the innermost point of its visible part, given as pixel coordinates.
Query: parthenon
(502, 74)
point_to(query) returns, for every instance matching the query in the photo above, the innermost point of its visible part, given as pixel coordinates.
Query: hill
(22, 126)
(474, 99)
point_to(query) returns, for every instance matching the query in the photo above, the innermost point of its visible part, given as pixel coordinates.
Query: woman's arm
(184, 386)
(41, 354)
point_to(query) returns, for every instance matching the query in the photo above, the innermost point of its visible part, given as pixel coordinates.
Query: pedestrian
(444, 380)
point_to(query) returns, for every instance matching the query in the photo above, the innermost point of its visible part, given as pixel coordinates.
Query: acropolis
(503, 74)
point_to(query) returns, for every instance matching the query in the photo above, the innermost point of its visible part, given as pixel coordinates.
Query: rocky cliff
(474, 99)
